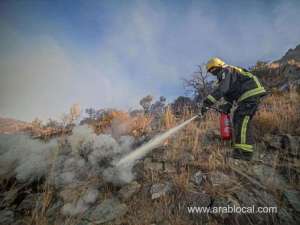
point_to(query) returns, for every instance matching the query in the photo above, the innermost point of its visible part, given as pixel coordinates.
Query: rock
(197, 178)
(292, 143)
(289, 142)
(273, 141)
(169, 168)
(293, 198)
(186, 158)
(108, 210)
(161, 189)
(219, 178)
(129, 190)
(154, 166)
(268, 176)
(30, 202)
(6, 217)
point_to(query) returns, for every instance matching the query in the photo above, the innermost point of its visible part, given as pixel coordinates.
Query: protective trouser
(242, 129)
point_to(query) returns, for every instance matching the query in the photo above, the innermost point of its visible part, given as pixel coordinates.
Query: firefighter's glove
(225, 108)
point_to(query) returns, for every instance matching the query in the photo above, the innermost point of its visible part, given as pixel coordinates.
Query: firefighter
(236, 85)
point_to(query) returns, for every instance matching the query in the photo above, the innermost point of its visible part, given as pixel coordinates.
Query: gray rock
(219, 178)
(273, 141)
(6, 217)
(293, 198)
(268, 176)
(154, 166)
(30, 202)
(197, 178)
(161, 189)
(129, 190)
(292, 143)
(108, 210)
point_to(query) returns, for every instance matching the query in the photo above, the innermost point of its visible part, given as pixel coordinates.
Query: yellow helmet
(214, 62)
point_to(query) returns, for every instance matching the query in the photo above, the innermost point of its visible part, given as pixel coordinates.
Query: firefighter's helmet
(214, 62)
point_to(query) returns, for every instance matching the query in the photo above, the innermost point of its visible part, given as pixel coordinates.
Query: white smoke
(82, 160)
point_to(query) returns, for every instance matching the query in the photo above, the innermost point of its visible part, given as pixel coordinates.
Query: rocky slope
(282, 73)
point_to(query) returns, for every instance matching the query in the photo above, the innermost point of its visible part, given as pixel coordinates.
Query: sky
(109, 54)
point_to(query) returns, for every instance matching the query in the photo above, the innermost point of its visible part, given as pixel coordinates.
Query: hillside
(282, 73)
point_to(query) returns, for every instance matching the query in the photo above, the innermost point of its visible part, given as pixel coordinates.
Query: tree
(198, 85)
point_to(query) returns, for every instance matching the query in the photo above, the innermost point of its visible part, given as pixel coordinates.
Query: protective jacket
(236, 84)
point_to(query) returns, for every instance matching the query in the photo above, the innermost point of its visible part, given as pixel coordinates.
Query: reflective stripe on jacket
(236, 84)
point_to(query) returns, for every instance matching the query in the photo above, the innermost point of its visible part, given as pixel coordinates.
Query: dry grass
(279, 113)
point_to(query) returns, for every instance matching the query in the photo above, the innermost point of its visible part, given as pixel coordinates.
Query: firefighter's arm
(225, 80)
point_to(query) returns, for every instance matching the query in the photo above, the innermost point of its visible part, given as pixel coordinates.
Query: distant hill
(9, 126)
(282, 73)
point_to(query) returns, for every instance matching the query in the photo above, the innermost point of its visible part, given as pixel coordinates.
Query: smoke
(77, 165)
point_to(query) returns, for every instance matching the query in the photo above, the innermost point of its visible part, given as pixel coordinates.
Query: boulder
(268, 176)
(6, 217)
(273, 141)
(292, 143)
(197, 178)
(160, 189)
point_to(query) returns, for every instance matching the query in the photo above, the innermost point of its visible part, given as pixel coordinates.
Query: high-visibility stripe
(211, 98)
(258, 90)
(244, 129)
(250, 93)
(244, 147)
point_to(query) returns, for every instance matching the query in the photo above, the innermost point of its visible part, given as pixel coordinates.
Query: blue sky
(111, 53)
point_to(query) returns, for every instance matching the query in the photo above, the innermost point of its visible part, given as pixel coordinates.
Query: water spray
(153, 143)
